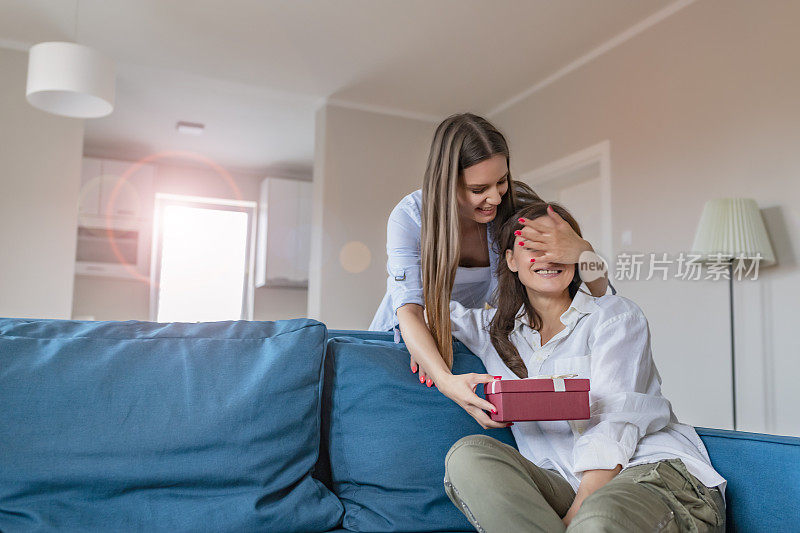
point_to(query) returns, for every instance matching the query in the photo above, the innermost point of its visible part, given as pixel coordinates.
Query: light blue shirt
(472, 287)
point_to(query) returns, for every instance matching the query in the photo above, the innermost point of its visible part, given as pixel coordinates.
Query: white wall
(40, 162)
(365, 162)
(120, 299)
(705, 104)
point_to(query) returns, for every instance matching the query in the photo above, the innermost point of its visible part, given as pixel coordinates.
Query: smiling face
(543, 278)
(482, 187)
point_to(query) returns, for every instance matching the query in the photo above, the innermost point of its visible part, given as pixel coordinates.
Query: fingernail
(522, 220)
(510, 424)
(549, 207)
(521, 243)
(421, 379)
(533, 260)
(518, 233)
(429, 382)
(414, 369)
(497, 377)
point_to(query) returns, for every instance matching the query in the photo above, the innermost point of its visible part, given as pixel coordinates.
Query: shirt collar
(582, 304)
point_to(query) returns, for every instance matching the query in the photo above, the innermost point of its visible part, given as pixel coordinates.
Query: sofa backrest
(143, 426)
(763, 475)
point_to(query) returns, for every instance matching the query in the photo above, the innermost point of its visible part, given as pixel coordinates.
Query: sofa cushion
(388, 437)
(113, 426)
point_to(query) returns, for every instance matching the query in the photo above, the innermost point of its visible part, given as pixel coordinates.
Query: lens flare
(131, 170)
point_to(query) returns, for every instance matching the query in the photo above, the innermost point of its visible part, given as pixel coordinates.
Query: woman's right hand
(424, 378)
(461, 389)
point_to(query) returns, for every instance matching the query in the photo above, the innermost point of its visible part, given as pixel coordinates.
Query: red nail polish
(429, 382)
(518, 233)
(522, 220)
(533, 260)
(497, 377)
(521, 243)
(421, 379)
(494, 411)
(510, 424)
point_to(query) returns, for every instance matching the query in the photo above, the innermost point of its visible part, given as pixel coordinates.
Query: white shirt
(607, 340)
(472, 287)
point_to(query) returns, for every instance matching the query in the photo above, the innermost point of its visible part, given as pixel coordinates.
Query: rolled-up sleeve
(404, 263)
(625, 394)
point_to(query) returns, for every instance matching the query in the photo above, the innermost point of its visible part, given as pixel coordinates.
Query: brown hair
(510, 294)
(460, 141)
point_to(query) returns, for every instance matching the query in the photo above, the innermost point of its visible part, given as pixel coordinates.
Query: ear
(512, 264)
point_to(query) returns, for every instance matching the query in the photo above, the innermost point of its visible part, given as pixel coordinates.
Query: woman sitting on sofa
(633, 465)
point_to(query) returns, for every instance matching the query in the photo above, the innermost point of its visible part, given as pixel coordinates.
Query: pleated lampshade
(733, 226)
(70, 79)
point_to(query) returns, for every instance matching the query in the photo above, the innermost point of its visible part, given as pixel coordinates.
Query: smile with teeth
(548, 272)
(487, 210)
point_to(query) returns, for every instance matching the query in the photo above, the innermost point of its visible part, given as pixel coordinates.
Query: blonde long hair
(460, 141)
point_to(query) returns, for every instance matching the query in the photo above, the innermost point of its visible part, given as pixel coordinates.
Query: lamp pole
(733, 342)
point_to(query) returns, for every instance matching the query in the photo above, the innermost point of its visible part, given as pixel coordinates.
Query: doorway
(581, 182)
(202, 259)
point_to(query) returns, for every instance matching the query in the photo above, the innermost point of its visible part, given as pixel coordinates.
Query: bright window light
(203, 260)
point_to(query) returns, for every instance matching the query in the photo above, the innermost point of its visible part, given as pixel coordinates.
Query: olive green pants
(498, 490)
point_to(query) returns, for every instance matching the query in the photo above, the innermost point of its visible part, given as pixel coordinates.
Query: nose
(494, 198)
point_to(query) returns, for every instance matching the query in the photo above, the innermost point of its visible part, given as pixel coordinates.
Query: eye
(481, 191)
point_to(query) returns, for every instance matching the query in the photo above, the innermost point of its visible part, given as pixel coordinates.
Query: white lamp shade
(733, 226)
(70, 79)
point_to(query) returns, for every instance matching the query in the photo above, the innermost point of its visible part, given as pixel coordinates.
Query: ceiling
(254, 72)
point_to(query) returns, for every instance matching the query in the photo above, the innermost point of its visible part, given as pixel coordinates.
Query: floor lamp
(733, 228)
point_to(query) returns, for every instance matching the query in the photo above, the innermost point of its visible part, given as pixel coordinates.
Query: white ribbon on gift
(558, 382)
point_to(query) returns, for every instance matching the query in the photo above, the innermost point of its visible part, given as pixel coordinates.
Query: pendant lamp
(70, 79)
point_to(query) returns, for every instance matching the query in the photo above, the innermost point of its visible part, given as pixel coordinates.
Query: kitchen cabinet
(127, 189)
(116, 188)
(115, 213)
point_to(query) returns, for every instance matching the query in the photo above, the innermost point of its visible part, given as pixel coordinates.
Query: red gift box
(519, 400)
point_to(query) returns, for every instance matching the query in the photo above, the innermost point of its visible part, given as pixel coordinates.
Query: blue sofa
(262, 426)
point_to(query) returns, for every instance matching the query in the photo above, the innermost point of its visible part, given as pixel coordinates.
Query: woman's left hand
(553, 239)
(591, 481)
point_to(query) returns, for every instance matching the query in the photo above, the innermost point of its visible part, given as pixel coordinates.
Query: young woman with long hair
(440, 243)
(631, 466)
